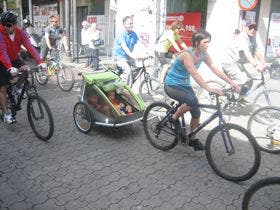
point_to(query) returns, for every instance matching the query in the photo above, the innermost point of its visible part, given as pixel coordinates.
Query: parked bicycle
(264, 125)
(231, 150)
(38, 112)
(267, 97)
(150, 89)
(264, 194)
(63, 73)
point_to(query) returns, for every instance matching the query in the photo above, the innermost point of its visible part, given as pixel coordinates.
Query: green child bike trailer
(95, 108)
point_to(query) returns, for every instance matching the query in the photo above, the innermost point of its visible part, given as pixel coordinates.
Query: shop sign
(273, 44)
(247, 5)
(191, 22)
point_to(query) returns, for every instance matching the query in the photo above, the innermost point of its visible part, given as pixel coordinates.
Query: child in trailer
(122, 108)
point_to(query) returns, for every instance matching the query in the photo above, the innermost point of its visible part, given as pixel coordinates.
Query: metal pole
(5, 5)
(67, 24)
(30, 11)
(74, 11)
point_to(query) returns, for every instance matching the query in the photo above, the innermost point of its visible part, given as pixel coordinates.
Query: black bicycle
(231, 150)
(264, 124)
(264, 194)
(63, 73)
(38, 112)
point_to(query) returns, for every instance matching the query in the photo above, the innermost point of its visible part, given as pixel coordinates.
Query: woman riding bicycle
(177, 82)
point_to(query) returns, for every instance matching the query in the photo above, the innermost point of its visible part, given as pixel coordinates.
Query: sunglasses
(253, 27)
(8, 25)
(54, 21)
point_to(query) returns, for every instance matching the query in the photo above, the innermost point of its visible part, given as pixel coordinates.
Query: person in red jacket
(11, 39)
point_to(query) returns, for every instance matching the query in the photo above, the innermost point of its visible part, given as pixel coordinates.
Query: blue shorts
(184, 95)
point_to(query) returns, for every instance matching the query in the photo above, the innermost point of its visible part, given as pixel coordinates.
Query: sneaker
(196, 144)
(8, 118)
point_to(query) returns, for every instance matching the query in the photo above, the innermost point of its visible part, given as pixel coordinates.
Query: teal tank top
(178, 75)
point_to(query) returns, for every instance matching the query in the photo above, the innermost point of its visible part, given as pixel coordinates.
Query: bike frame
(218, 113)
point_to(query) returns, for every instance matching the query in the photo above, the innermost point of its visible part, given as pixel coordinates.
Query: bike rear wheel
(243, 159)
(263, 194)
(150, 90)
(41, 76)
(65, 78)
(266, 98)
(160, 134)
(264, 125)
(82, 117)
(40, 117)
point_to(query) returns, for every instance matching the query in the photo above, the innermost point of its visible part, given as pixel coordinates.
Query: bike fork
(227, 139)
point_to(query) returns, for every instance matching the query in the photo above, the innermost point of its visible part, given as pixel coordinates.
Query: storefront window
(188, 6)
(98, 7)
(273, 40)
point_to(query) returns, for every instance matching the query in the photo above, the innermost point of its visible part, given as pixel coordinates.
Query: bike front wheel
(40, 117)
(232, 152)
(150, 90)
(65, 78)
(82, 117)
(41, 76)
(266, 98)
(264, 125)
(159, 133)
(263, 194)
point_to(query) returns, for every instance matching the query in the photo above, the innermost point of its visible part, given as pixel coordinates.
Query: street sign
(247, 5)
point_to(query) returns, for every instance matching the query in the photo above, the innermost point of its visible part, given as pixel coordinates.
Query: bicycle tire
(163, 138)
(82, 117)
(248, 156)
(268, 97)
(264, 125)
(65, 78)
(151, 90)
(256, 187)
(41, 77)
(42, 131)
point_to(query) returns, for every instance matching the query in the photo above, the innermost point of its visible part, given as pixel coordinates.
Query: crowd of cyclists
(176, 77)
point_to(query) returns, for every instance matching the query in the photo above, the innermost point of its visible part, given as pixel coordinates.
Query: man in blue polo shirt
(123, 49)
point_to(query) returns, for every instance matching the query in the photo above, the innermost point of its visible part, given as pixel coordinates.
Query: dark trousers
(93, 60)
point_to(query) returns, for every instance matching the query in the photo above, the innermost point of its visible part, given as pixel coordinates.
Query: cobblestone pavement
(107, 168)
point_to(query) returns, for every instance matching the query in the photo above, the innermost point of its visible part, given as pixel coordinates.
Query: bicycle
(264, 194)
(64, 74)
(225, 143)
(150, 89)
(264, 125)
(38, 112)
(265, 97)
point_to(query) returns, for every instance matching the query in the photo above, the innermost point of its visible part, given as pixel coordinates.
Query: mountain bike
(264, 194)
(63, 73)
(231, 150)
(267, 97)
(38, 112)
(264, 125)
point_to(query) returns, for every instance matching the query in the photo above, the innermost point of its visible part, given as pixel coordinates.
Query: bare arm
(127, 50)
(47, 37)
(182, 44)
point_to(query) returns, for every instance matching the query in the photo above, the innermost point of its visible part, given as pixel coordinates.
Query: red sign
(191, 22)
(247, 5)
(91, 19)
